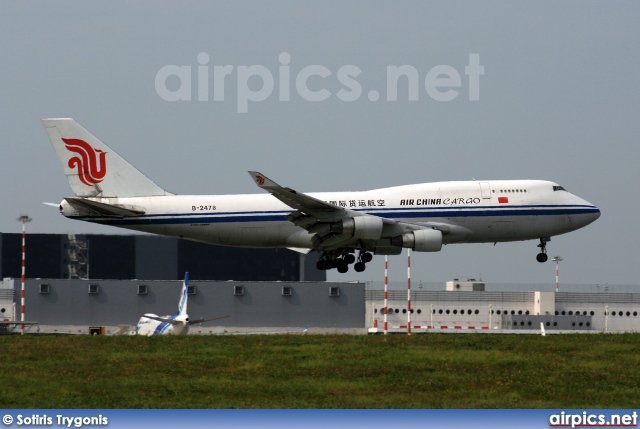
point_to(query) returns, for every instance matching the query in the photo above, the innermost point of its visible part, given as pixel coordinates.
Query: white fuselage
(469, 212)
(149, 327)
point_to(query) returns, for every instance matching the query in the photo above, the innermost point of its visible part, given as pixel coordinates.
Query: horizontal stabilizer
(162, 319)
(193, 322)
(103, 209)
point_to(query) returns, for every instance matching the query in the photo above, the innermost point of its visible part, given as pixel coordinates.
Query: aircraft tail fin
(182, 306)
(92, 168)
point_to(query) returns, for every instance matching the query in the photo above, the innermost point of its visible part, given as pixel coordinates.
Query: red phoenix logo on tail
(91, 170)
(260, 180)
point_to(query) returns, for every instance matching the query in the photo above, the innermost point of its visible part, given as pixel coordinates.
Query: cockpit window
(558, 188)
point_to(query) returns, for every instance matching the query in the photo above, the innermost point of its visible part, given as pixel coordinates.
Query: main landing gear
(341, 261)
(542, 256)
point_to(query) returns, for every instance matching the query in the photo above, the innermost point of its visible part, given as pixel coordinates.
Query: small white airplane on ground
(345, 227)
(152, 324)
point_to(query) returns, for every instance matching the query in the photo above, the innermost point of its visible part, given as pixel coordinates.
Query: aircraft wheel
(359, 267)
(350, 258)
(343, 267)
(366, 257)
(542, 257)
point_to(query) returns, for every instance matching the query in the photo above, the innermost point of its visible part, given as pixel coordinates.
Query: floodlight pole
(557, 259)
(24, 218)
(386, 292)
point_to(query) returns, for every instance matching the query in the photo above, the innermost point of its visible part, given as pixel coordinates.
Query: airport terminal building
(465, 306)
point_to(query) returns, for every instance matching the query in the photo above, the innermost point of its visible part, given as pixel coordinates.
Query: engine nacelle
(422, 240)
(362, 227)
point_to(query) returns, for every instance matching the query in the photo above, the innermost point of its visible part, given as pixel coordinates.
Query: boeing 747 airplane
(345, 227)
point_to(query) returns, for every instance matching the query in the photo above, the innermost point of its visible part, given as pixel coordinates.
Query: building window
(143, 289)
(94, 288)
(287, 291)
(44, 288)
(334, 291)
(238, 290)
(192, 290)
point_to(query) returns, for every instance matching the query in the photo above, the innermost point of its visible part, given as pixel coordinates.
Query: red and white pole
(24, 219)
(386, 291)
(409, 291)
(557, 259)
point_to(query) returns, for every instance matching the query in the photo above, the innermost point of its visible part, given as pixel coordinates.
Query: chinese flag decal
(503, 200)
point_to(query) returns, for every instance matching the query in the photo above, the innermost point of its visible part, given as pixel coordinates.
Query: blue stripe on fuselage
(161, 328)
(391, 213)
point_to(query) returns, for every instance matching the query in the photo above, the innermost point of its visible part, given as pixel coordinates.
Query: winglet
(263, 181)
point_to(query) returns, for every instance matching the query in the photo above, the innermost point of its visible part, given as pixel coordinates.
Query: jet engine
(422, 240)
(362, 227)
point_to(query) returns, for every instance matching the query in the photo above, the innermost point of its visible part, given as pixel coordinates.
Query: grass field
(321, 371)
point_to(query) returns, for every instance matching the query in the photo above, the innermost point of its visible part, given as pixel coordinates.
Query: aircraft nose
(596, 215)
(592, 214)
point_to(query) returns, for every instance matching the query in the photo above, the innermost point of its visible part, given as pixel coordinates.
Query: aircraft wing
(162, 319)
(322, 210)
(202, 320)
(316, 216)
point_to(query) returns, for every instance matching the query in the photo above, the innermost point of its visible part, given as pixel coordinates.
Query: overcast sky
(559, 99)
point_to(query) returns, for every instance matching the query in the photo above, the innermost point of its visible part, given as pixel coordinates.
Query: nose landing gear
(542, 256)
